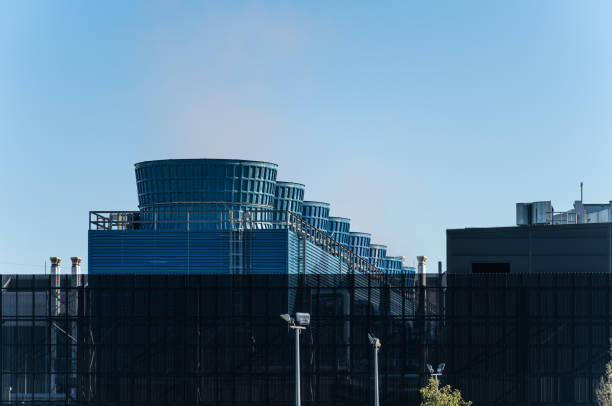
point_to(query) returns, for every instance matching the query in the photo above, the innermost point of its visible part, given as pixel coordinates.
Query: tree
(604, 389)
(445, 396)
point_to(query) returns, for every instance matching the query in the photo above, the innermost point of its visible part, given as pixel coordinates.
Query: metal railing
(229, 220)
(561, 217)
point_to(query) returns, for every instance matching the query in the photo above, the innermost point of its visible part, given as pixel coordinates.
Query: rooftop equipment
(179, 194)
(316, 214)
(359, 243)
(393, 265)
(338, 229)
(288, 196)
(377, 255)
(534, 213)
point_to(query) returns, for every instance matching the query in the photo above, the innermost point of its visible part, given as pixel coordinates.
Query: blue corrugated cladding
(168, 252)
(292, 266)
(140, 251)
(322, 262)
(267, 252)
(292, 258)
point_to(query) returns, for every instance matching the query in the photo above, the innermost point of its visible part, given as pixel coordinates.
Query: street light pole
(297, 367)
(303, 320)
(437, 373)
(376, 344)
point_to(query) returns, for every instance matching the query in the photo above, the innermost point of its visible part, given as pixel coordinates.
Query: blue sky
(409, 117)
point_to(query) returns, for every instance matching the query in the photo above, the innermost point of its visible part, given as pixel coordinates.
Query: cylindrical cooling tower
(205, 194)
(338, 229)
(377, 255)
(316, 214)
(393, 265)
(289, 197)
(359, 243)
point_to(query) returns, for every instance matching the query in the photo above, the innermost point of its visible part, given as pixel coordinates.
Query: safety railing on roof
(561, 217)
(229, 220)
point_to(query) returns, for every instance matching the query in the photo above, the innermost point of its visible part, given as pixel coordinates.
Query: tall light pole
(10, 390)
(300, 322)
(376, 344)
(436, 373)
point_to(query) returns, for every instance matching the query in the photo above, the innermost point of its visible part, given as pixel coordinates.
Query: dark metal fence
(219, 340)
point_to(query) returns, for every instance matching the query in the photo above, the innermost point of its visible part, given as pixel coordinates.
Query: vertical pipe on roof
(76, 271)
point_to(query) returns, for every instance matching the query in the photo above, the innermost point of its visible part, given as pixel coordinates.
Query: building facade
(543, 241)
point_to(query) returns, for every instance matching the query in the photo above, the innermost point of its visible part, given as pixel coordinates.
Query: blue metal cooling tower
(215, 192)
(316, 214)
(409, 274)
(289, 196)
(359, 243)
(338, 229)
(377, 255)
(393, 265)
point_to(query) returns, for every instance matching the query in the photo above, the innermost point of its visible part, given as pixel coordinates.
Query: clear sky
(409, 117)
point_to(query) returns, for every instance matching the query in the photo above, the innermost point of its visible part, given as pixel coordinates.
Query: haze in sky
(408, 117)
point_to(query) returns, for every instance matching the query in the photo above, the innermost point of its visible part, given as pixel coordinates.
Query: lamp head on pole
(374, 341)
(303, 319)
(430, 368)
(288, 319)
(300, 322)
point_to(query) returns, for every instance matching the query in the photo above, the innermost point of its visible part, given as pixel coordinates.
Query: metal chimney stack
(55, 283)
(421, 269)
(55, 271)
(76, 271)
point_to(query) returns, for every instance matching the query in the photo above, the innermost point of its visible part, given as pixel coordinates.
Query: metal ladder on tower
(301, 253)
(236, 241)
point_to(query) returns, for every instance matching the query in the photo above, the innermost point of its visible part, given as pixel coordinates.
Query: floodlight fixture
(436, 374)
(288, 319)
(374, 341)
(303, 319)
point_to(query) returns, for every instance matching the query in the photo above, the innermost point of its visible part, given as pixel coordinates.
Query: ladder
(236, 243)
(301, 253)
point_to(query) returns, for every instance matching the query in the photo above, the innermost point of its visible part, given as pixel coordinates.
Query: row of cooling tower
(289, 196)
(205, 187)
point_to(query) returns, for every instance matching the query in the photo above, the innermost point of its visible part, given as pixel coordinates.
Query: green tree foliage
(445, 396)
(604, 389)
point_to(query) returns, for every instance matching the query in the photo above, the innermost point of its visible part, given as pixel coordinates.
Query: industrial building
(543, 241)
(528, 307)
(40, 316)
(182, 297)
(225, 216)
(182, 304)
